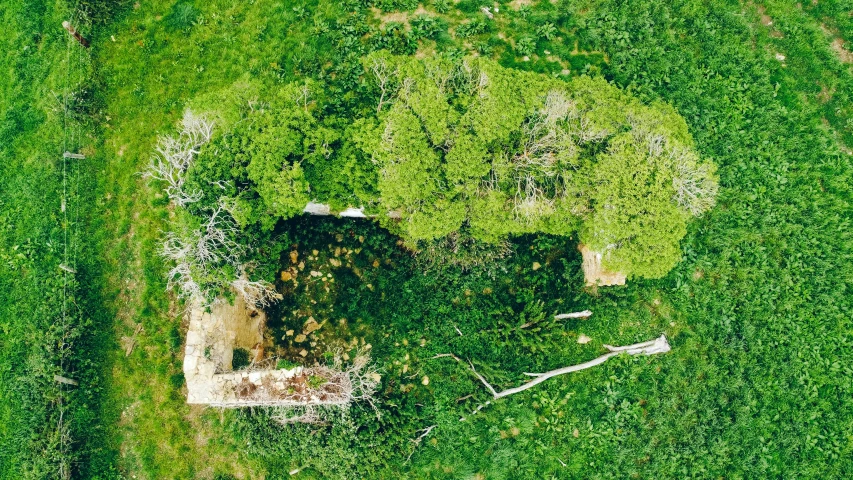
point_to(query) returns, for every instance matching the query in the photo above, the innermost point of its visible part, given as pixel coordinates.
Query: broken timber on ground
(651, 347)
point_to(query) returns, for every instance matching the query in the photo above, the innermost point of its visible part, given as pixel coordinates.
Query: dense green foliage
(758, 311)
(505, 152)
(465, 144)
(44, 108)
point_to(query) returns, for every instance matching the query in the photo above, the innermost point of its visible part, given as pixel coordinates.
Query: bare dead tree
(216, 244)
(181, 278)
(259, 293)
(531, 200)
(174, 155)
(548, 152)
(199, 253)
(384, 73)
(440, 74)
(651, 347)
(694, 183)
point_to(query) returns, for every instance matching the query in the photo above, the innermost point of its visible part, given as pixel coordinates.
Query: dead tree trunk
(659, 345)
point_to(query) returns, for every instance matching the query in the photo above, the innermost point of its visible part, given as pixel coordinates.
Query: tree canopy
(470, 144)
(464, 144)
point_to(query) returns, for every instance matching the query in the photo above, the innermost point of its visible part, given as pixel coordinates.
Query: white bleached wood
(651, 347)
(583, 314)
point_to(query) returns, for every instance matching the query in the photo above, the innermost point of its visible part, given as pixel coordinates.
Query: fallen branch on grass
(651, 347)
(417, 441)
(659, 345)
(583, 314)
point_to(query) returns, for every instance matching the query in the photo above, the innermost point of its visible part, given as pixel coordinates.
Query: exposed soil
(398, 17)
(844, 55)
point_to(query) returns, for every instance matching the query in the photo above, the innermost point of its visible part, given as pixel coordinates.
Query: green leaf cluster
(469, 144)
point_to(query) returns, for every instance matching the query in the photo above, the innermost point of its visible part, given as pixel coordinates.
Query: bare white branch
(258, 293)
(174, 155)
(417, 441)
(651, 347)
(583, 314)
(384, 73)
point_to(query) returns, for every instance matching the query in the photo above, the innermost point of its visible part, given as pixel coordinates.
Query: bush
(240, 359)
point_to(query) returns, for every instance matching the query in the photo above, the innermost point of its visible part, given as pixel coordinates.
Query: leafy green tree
(633, 220)
(468, 144)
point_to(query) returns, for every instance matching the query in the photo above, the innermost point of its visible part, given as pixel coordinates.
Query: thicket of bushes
(758, 310)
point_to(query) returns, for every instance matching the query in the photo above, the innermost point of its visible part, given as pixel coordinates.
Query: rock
(289, 333)
(315, 273)
(294, 256)
(301, 266)
(190, 362)
(255, 377)
(376, 263)
(583, 339)
(536, 266)
(375, 377)
(303, 352)
(286, 276)
(425, 381)
(310, 326)
(315, 252)
(338, 251)
(193, 338)
(300, 338)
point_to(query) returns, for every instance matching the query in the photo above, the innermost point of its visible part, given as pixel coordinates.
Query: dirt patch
(246, 325)
(398, 17)
(517, 4)
(825, 94)
(236, 326)
(837, 44)
(844, 55)
(765, 19)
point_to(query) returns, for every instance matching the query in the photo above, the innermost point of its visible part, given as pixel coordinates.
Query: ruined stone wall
(211, 338)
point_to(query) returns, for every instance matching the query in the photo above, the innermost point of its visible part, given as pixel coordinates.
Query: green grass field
(759, 312)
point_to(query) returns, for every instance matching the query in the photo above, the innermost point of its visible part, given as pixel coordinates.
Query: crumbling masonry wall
(210, 341)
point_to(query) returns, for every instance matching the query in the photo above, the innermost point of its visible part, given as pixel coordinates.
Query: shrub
(240, 359)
